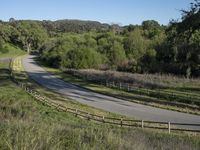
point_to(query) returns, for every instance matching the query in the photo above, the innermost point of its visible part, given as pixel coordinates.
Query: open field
(27, 124)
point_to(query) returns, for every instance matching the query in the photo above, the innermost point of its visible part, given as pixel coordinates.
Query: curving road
(107, 103)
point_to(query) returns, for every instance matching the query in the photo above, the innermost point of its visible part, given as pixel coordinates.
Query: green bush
(81, 58)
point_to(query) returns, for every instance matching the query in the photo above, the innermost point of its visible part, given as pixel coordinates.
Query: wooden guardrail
(122, 122)
(109, 120)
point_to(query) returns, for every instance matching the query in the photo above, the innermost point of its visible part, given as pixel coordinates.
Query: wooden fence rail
(109, 120)
(187, 98)
(122, 122)
(126, 86)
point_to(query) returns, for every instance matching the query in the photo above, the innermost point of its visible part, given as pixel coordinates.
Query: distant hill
(70, 25)
(77, 26)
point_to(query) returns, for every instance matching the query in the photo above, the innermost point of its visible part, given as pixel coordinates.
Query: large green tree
(184, 41)
(31, 34)
(111, 46)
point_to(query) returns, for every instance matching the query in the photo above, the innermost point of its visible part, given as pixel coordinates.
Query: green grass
(10, 51)
(27, 124)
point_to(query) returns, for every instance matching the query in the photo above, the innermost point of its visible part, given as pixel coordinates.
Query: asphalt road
(107, 103)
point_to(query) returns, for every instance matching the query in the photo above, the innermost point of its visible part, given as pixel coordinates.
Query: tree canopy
(146, 48)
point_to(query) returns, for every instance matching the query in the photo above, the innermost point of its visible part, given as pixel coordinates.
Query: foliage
(76, 26)
(146, 48)
(81, 58)
(183, 40)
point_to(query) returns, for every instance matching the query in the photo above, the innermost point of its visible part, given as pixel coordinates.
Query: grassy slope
(116, 92)
(27, 124)
(11, 51)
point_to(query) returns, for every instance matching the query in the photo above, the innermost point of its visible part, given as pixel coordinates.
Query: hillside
(77, 26)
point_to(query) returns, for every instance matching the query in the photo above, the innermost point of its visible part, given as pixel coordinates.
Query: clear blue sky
(106, 11)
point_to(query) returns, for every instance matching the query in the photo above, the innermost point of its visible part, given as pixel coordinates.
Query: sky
(123, 12)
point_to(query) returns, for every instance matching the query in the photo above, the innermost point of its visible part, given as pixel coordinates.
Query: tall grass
(138, 80)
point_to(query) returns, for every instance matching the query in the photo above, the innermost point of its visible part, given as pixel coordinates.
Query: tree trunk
(188, 72)
(28, 48)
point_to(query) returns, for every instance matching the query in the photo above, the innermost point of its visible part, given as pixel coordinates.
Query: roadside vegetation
(181, 98)
(28, 124)
(8, 50)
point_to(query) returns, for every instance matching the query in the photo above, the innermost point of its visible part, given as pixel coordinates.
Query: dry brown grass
(138, 80)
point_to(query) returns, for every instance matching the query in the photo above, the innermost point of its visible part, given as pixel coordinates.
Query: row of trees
(133, 51)
(149, 47)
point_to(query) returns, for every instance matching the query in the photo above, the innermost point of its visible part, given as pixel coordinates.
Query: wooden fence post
(58, 106)
(88, 116)
(148, 92)
(76, 113)
(173, 95)
(121, 122)
(103, 119)
(169, 127)
(106, 82)
(142, 123)
(159, 94)
(128, 88)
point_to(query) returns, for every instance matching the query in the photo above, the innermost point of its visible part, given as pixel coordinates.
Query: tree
(32, 35)
(116, 54)
(148, 61)
(150, 24)
(111, 46)
(5, 32)
(1, 44)
(81, 59)
(151, 28)
(135, 45)
(11, 20)
(184, 38)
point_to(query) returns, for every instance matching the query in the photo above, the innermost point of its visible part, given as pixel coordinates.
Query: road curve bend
(101, 101)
